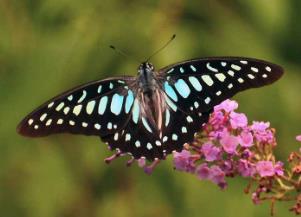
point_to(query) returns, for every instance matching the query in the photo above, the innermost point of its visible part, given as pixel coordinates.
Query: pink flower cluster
(229, 146)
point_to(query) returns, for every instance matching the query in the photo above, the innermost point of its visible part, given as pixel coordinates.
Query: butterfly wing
(111, 108)
(97, 108)
(192, 88)
(200, 84)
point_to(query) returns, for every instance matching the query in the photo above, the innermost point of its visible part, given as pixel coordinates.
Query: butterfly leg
(130, 162)
(148, 169)
(113, 157)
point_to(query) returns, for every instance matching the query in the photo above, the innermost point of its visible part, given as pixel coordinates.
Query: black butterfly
(154, 113)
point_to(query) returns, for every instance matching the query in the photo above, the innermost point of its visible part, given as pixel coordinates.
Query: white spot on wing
(240, 80)
(174, 137)
(223, 64)
(149, 146)
(254, 69)
(116, 136)
(43, 116)
(189, 119)
(30, 121)
(251, 76)
(207, 79)
(97, 126)
(268, 69)
(50, 104)
(231, 73)
(127, 137)
(66, 110)
(60, 106)
(207, 100)
(48, 122)
(77, 109)
(211, 68)
(60, 121)
(90, 107)
(236, 67)
(137, 144)
(220, 76)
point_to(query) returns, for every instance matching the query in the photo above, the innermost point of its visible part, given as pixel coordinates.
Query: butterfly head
(145, 69)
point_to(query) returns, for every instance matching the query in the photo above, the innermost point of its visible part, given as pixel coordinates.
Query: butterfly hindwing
(96, 108)
(207, 82)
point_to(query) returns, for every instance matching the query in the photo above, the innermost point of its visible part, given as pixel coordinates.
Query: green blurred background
(48, 46)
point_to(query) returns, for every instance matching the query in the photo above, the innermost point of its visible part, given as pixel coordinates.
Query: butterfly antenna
(164, 46)
(123, 53)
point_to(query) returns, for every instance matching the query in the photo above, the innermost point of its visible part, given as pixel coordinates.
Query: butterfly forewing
(98, 108)
(204, 83)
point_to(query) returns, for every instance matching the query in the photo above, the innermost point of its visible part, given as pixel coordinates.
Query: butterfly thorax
(150, 94)
(146, 77)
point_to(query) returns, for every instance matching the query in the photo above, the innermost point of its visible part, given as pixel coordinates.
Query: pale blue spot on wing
(136, 111)
(193, 68)
(102, 105)
(116, 104)
(129, 101)
(182, 88)
(111, 85)
(167, 117)
(99, 89)
(181, 70)
(82, 97)
(170, 71)
(170, 91)
(170, 104)
(144, 121)
(195, 83)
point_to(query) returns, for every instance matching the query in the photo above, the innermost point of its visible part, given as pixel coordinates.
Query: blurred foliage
(48, 46)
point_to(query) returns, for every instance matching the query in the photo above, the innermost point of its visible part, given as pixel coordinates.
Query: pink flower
(203, 171)
(210, 152)
(262, 133)
(265, 168)
(238, 120)
(184, 161)
(217, 120)
(298, 138)
(217, 176)
(279, 168)
(229, 143)
(227, 105)
(246, 139)
(245, 168)
(260, 126)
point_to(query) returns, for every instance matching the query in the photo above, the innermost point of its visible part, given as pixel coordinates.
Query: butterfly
(155, 113)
